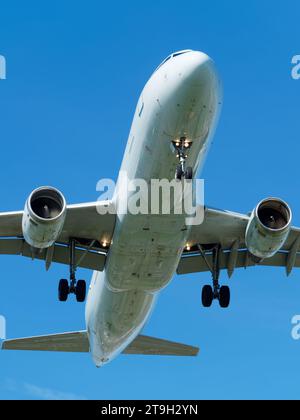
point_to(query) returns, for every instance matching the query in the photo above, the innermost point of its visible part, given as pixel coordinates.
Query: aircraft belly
(114, 318)
(147, 258)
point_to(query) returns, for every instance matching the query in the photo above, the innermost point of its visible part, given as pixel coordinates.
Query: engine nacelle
(44, 217)
(268, 228)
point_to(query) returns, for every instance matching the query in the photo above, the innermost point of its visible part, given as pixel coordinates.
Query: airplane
(135, 256)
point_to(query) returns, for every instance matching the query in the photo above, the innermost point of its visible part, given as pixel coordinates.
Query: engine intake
(268, 228)
(43, 217)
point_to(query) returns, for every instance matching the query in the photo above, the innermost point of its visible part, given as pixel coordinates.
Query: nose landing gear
(66, 287)
(181, 147)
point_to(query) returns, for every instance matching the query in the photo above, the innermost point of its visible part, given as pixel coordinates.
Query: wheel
(80, 291)
(178, 173)
(63, 290)
(188, 173)
(224, 297)
(207, 296)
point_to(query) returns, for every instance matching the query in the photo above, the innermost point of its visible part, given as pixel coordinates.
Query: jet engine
(43, 217)
(268, 228)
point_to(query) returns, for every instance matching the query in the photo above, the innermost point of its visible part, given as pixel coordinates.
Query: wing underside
(87, 224)
(227, 229)
(195, 263)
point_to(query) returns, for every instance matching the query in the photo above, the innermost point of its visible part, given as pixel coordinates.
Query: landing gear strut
(215, 292)
(66, 287)
(181, 146)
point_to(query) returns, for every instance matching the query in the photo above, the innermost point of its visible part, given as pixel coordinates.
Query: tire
(207, 296)
(80, 291)
(178, 173)
(63, 290)
(188, 173)
(224, 297)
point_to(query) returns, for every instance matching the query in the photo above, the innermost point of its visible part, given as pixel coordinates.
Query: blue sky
(74, 74)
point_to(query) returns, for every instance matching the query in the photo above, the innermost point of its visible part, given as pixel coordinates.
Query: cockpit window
(167, 59)
(180, 53)
(161, 64)
(172, 56)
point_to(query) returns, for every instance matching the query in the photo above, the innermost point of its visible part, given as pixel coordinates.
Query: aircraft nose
(198, 68)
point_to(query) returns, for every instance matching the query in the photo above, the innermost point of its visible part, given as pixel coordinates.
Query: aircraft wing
(78, 342)
(83, 222)
(227, 229)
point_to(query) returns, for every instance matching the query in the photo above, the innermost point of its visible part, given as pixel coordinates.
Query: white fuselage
(181, 99)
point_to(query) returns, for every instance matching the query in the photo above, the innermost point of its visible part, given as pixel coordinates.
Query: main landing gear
(215, 292)
(66, 287)
(181, 146)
